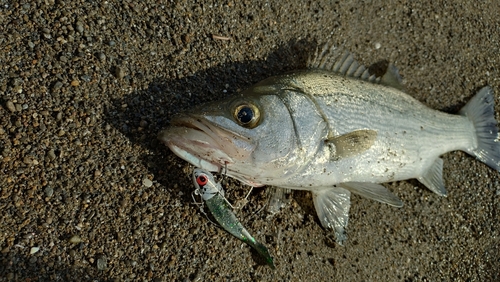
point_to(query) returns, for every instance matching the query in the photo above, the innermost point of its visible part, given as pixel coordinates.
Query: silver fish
(213, 195)
(333, 129)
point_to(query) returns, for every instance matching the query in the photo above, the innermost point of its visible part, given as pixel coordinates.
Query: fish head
(251, 136)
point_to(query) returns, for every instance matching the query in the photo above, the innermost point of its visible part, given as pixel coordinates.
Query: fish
(213, 195)
(334, 129)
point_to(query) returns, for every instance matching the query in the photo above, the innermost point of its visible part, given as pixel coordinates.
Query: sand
(89, 194)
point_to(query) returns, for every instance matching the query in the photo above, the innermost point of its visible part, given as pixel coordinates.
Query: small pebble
(79, 27)
(58, 85)
(5, 152)
(101, 263)
(86, 78)
(146, 182)
(101, 56)
(10, 105)
(75, 239)
(34, 250)
(119, 72)
(51, 154)
(49, 191)
(27, 160)
(75, 83)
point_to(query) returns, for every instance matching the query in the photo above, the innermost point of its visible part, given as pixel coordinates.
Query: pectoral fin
(332, 206)
(352, 143)
(374, 192)
(433, 178)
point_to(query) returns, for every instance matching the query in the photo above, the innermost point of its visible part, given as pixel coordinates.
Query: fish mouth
(201, 143)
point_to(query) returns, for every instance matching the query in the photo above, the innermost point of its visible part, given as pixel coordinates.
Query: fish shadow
(13, 267)
(141, 115)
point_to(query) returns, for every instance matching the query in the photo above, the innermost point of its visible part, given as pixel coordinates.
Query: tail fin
(264, 252)
(480, 110)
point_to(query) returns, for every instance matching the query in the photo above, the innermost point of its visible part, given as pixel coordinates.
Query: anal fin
(433, 178)
(278, 199)
(332, 206)
(374, 191)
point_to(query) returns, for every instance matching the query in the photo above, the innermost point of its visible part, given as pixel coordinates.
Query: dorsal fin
(337, 60)
(388, 73)
(340, 61)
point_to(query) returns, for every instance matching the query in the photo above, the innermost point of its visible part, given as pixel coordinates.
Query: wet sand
(88, 194)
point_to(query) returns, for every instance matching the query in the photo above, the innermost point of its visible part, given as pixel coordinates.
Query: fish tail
(480, 111)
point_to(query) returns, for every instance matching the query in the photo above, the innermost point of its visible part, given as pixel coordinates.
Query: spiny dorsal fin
(342, 62)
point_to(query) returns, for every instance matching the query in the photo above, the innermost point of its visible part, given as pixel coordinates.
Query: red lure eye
(202, 180)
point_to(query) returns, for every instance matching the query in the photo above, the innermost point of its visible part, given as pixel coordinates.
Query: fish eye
(202, 180)
(247, 115)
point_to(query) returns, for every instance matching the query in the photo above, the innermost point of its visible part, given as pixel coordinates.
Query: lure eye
(247, 115)
(202, 180)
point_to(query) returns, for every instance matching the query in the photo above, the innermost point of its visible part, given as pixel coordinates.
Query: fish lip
(182, 146)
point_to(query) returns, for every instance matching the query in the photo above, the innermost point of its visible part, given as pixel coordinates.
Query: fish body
(333, 129)
(213, 195)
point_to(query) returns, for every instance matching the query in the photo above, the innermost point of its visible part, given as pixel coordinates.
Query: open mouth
(196, 142)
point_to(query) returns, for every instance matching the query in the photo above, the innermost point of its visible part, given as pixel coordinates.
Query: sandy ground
(87, 85)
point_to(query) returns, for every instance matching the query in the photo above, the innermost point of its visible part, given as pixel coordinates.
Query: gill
(317, 107)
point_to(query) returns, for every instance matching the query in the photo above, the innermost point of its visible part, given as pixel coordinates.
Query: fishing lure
(213, 195)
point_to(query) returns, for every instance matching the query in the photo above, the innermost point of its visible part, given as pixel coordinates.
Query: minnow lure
(213, 195)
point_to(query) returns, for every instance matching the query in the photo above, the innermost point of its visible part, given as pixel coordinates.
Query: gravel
(10, 106)
(146, 182)
(85, 87)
